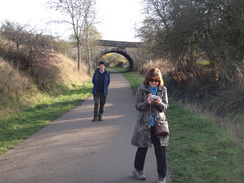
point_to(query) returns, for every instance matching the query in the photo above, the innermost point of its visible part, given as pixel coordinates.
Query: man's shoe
(161, 179)
(94, 119)
(100, 118)
(139, 174)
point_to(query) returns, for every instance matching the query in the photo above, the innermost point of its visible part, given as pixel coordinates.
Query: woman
(151, 102)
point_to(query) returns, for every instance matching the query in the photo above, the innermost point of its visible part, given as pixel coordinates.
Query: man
(100, 80)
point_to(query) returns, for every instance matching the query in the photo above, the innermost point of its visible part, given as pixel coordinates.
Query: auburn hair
(154, 73)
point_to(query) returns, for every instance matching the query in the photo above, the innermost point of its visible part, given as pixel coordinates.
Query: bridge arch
(120, 51)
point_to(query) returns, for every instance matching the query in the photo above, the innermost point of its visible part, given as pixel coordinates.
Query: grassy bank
(199, 150)
(15, 128)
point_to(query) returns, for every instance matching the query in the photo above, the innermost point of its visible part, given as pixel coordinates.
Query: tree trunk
(78, 54)
(89, 58)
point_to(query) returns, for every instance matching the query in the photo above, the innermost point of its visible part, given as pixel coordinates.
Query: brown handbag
(161, 128)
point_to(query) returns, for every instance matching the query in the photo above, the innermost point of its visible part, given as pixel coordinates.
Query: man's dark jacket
(95, 81)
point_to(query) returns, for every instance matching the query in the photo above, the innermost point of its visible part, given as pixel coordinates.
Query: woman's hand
(150, 98)
(158, 101)
(154, 99)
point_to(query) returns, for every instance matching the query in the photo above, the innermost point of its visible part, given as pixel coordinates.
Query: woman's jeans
(99, 102)
(160, 153)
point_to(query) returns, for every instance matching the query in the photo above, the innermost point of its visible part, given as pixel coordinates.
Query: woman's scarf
(153, 91)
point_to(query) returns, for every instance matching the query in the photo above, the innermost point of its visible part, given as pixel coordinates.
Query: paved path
(72, 149)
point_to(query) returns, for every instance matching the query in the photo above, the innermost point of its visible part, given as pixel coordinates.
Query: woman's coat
(142, 132)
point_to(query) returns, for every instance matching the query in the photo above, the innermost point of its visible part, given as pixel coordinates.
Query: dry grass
(58, 71)
(15, 86)
(12, 81)
(19, 91)
(45, 76)
(164, 65)
(68, 70)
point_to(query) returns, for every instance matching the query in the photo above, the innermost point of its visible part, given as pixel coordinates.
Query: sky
(117, 19)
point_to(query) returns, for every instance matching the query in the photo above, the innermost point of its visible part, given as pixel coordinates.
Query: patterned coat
(142, 132)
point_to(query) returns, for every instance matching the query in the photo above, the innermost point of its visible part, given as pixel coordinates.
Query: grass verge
(20, 126)
(199, 150)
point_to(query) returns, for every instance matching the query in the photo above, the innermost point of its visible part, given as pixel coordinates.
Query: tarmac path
(73, 149)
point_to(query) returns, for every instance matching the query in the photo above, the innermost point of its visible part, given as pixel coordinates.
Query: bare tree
(81, 14)
(30, 46)
(14, 32)
(89, 45)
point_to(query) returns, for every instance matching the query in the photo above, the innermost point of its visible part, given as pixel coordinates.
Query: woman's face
(153, 82)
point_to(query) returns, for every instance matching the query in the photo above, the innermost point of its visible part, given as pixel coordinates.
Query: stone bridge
(120, 48)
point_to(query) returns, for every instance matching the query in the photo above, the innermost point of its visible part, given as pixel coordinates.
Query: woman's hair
(154, 73)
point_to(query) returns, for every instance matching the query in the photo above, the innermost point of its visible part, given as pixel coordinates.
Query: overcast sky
(117, 18)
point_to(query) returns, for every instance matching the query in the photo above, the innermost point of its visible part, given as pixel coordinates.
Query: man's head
(101, 66)
(101, 63)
